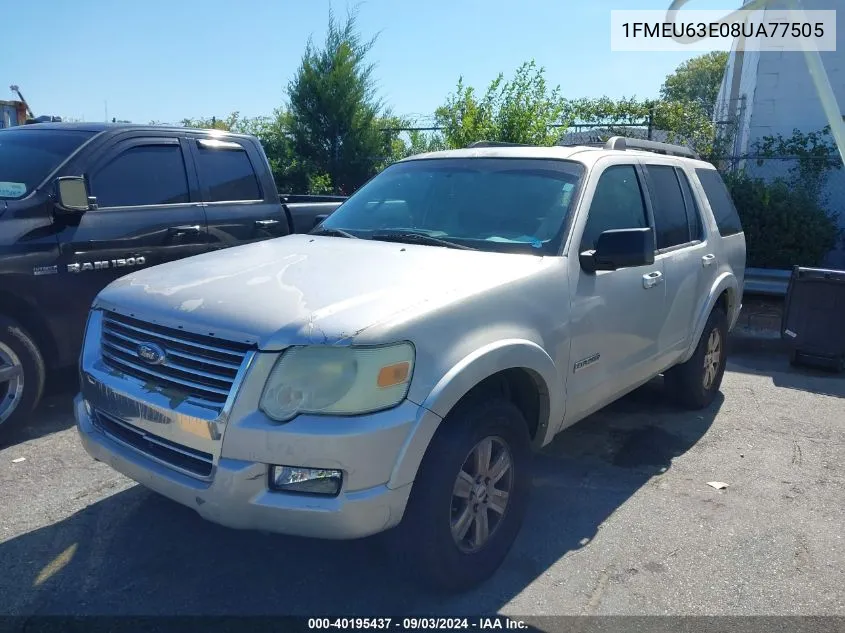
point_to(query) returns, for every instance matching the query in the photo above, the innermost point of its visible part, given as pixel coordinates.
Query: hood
(306, 288)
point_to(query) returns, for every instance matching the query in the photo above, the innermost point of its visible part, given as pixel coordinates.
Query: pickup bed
(83, 204)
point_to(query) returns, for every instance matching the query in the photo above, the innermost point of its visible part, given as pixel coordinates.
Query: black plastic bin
(813, 323)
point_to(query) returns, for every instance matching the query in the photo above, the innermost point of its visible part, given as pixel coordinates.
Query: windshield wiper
(417, 238)
(334, 233)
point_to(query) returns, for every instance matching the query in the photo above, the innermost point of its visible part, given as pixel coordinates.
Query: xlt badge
(102, 265)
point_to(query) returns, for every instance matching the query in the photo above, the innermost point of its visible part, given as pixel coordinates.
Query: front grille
(187, 459)
(199, 368)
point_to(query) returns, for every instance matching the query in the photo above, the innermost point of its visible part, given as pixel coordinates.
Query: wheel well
(523, 387)
(725, 302)
(28, 318)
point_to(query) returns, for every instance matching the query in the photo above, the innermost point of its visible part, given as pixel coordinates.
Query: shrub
(784, 225)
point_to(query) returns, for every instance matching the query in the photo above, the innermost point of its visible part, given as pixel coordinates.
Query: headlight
(338, 380)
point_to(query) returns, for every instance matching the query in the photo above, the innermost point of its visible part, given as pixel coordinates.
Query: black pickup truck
(82, 204)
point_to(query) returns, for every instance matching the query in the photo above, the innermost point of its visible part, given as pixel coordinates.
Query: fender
(725, 281)
(466, 374)
(23, 308)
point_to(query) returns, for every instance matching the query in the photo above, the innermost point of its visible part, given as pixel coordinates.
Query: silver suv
(397, 367)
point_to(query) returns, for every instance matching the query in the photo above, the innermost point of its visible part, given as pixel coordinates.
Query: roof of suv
(583, 154)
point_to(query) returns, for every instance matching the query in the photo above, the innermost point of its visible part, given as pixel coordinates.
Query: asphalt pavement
(622, 521)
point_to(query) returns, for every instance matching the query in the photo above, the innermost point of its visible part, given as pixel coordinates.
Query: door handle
(650, 280)
(708, 260)
(266, 222)
(184, 230)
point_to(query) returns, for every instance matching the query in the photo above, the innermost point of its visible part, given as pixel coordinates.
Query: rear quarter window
(228, 175)
(727, 218)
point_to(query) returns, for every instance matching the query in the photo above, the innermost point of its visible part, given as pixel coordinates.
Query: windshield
(492, 204)
(28, 156)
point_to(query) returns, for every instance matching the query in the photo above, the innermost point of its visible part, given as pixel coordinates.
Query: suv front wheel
(469, 498)
(695, 383)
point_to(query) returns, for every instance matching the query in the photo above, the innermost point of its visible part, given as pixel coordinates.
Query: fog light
(88, 408)
(314, 481)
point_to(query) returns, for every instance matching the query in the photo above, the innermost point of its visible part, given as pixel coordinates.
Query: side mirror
(72, 195)
(620, 248)
(318, 220)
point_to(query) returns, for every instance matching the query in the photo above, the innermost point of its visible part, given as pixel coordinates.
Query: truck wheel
(22, 375)
(469, 498)
(695, 383)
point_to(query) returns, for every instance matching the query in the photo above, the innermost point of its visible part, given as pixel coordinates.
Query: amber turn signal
(392, 375)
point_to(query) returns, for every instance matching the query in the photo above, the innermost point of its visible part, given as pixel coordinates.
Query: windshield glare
(28, 156)
(492, 204)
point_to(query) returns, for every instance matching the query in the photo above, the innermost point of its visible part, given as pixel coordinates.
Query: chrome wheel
(11, 382)
(481, 493)
(712, 358)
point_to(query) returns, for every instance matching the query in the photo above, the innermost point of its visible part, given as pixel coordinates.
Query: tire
(689, 384)
(19, 395)
(424, 543)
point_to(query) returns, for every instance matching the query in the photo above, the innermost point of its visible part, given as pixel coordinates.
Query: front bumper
(237, 495)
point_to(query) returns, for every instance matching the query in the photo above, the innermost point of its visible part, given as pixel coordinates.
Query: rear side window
(693, 212)
(145, 175)
(617, 204)
(727, 218)
(670, 216)
(227, 174)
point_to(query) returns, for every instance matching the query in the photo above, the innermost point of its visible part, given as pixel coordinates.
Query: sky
(167, 60)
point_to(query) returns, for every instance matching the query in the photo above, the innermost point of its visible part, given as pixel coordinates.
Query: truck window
(28, 156)
(145, 175)
(727, 218)
(693, 212)
(227, 174)
(670, 218)
(617, 204)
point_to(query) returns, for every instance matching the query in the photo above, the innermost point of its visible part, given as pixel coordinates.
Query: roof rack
(623, 143)
(496, 144)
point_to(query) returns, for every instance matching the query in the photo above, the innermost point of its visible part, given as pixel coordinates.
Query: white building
(770, 93)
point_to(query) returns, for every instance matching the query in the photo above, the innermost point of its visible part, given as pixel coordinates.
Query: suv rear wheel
(21, 375)
(695, 383)
(469, 499)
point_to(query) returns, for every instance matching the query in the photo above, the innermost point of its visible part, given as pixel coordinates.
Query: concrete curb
(744, 339)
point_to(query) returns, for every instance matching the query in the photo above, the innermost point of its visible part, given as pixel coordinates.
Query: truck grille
(200, 368)
(186, 459)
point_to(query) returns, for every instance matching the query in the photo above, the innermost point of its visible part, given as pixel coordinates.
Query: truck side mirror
(72, 194)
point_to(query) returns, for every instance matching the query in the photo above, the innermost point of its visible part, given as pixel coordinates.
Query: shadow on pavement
(138, 553)
(802, 378)
(54, 412)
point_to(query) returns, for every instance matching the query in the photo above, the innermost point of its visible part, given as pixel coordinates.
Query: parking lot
(622, 522)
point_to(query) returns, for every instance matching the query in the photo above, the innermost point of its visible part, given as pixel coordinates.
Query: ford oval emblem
(151, 353)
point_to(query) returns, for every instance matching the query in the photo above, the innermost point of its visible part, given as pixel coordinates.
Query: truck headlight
(338, 380)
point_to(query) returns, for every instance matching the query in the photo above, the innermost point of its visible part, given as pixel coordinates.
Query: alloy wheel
(11, 382)
(712, 358)
(481, 493)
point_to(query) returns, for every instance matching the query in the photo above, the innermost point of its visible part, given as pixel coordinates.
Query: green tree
(784, 224)
(697, 80)
(684, 121)
(521, 110)
(334, 109)
(230, 123)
